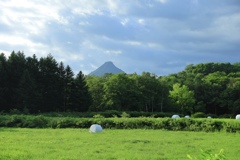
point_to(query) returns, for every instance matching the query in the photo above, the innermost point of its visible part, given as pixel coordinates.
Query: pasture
(122, 144)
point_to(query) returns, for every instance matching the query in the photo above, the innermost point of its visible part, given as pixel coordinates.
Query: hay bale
(175, 116)
(95, 128)
(238, 117)
(187, 116)
(209, 117)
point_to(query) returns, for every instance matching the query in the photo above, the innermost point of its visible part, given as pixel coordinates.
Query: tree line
(36, 85)
(44, 85)
(211, 88)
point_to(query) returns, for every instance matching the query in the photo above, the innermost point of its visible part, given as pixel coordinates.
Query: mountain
(107, 67)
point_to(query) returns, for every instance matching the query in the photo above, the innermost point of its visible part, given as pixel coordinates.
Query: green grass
(77, 144)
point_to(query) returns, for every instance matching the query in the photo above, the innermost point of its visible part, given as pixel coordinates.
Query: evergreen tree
(68, 87)
(3, 83)
(49, 84)
(80, 97)
(16, 67)
(28, 93)
(61, 86)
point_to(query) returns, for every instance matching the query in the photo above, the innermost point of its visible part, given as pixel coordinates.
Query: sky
(156, 36)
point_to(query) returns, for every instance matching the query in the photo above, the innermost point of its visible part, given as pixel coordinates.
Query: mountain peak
(107, 67)
(109, 63)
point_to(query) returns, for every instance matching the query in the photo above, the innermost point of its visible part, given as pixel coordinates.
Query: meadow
(122, 144)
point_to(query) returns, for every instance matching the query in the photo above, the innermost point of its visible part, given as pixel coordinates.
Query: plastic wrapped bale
(238, 117)
(187, 116)
(95, 128)
(209, 117)
(175, 116)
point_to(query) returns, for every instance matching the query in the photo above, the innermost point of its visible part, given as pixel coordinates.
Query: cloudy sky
(157, 36)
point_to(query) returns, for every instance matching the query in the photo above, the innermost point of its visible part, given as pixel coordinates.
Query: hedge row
(182, 124)
(109, 114)
(115, 113)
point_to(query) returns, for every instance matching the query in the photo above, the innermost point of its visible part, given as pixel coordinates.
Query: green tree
(231, 96)
(199, 89)
(49, 84)
(80, 97)
(149, 88)
(95, 85)
(28, 93)
(68, 89)
(4, 92)
(182, 97)
(120, 93)
(214, 85)
(61, 86)
(16, 66)
(163, 95)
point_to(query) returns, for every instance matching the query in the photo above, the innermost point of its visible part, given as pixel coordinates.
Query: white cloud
(71, 57)
(6, 53)
(141, 21)
(162, 1)
(113, 52)
(84, 23)
(133, 43)
(88, 44)
(19, 41)
(93, 66)
(124, 21)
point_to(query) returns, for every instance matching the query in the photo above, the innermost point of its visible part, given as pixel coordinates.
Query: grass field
(77, 144)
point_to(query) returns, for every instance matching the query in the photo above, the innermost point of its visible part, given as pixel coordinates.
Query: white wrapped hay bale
(209, 117)
(238, 117)
(95, 128)
(187, 116)
(175, 116)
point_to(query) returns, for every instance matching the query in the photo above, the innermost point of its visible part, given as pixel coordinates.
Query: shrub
(211, 126)
(98, 116)
(199, 115)
(67, 123)
(84, 123)
(15, 121)
(125, 115)
(227, 116)
(232, 127)
(35, 122)
(14, 111)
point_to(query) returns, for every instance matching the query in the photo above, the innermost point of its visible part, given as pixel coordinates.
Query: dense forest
(32, 85)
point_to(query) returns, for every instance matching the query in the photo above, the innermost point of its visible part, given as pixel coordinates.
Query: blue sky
(157, 36)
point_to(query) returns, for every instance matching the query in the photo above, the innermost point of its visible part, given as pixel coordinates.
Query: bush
(232, 127)
(36, 122)
(15, 121)
(227, 116)
(125, 115)
(14, 111)
(67, 123)
(199, 115)
(98, 116)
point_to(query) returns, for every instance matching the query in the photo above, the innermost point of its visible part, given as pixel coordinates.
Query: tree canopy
(34, 85)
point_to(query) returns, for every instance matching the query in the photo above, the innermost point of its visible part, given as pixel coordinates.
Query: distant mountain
(107, 67)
